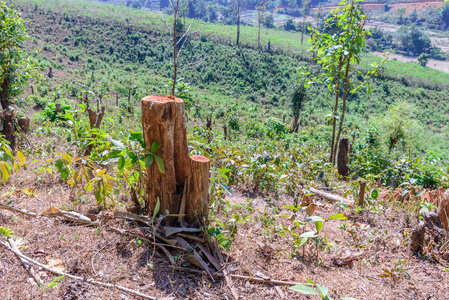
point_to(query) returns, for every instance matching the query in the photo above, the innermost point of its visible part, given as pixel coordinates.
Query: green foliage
(337, 50)
(50, 114)
(423, 59)
(15, 65)
(6, 232)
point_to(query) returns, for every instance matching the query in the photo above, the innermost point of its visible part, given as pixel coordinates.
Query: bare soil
(378, 239)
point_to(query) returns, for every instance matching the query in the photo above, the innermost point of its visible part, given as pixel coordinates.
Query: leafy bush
(50, 114)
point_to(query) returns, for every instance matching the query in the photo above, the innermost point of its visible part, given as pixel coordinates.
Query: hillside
(260, 76)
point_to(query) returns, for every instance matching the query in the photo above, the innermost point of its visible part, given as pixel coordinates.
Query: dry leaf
(55, 264)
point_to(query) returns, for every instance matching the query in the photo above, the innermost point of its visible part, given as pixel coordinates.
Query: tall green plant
(15, 66)
(337, 48)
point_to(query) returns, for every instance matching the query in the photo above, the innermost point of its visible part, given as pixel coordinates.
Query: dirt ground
(379, 239)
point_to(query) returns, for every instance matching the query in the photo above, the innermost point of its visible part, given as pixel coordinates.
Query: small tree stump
(95, 119)
(197, 193)
(225, 131)
(362, 193)
(24, 124)
(58, 107)
(342, 164)
(163, 121)
(50, 72)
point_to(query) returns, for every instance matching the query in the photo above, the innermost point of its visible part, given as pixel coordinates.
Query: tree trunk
(163, 121)
(225, 131)
(295, 124)
(238, 22)
(197, 193)
(7, 116)
(342, 163)
(58, 107)
(95, 119)
(362, 193)
(258, 32)
(116, 99)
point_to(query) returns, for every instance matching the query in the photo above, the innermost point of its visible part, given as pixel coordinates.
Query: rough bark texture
(95, 117)
(163, 121)
(428, 232)
(7, 116)
(225, 132)
(362, 193)
(342, 163)
(24, 124)
(95, 122)
(443, 209)
(197, 193)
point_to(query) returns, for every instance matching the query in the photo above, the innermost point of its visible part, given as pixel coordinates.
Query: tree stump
(342, 164)
(24, 124)
(163, 121)
(95, 119)
(50, 72)
(225, 131)
(58, 107)
(362, 193)
(197, 193)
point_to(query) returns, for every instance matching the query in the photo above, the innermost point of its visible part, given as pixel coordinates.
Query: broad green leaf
(156, 209)
(160, 164)
(154, 147)
(420, 192)
(314, 219)
(337, 217)
(121, 163)
(309, 234)
(304, 289)
(375, 193)
(319, 225)
(149, 160)
(404, 192)
(227, 189)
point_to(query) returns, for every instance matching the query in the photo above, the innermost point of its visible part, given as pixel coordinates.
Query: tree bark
(95, 119)
(362, 193)
(238, 22)
(163, 121)
(24, 124)
(342, 163)
(7, 116)
(197, 194)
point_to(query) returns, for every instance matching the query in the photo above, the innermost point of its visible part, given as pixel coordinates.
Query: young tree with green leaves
(337, 50)
(15, 66)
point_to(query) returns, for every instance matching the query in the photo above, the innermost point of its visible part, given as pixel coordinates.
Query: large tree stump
(163, 121)
(342, 163)
(197, 193)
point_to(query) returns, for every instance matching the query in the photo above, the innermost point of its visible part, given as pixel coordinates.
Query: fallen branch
(26, 265)
(21, 211)
(330, 197)
(90, 281)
